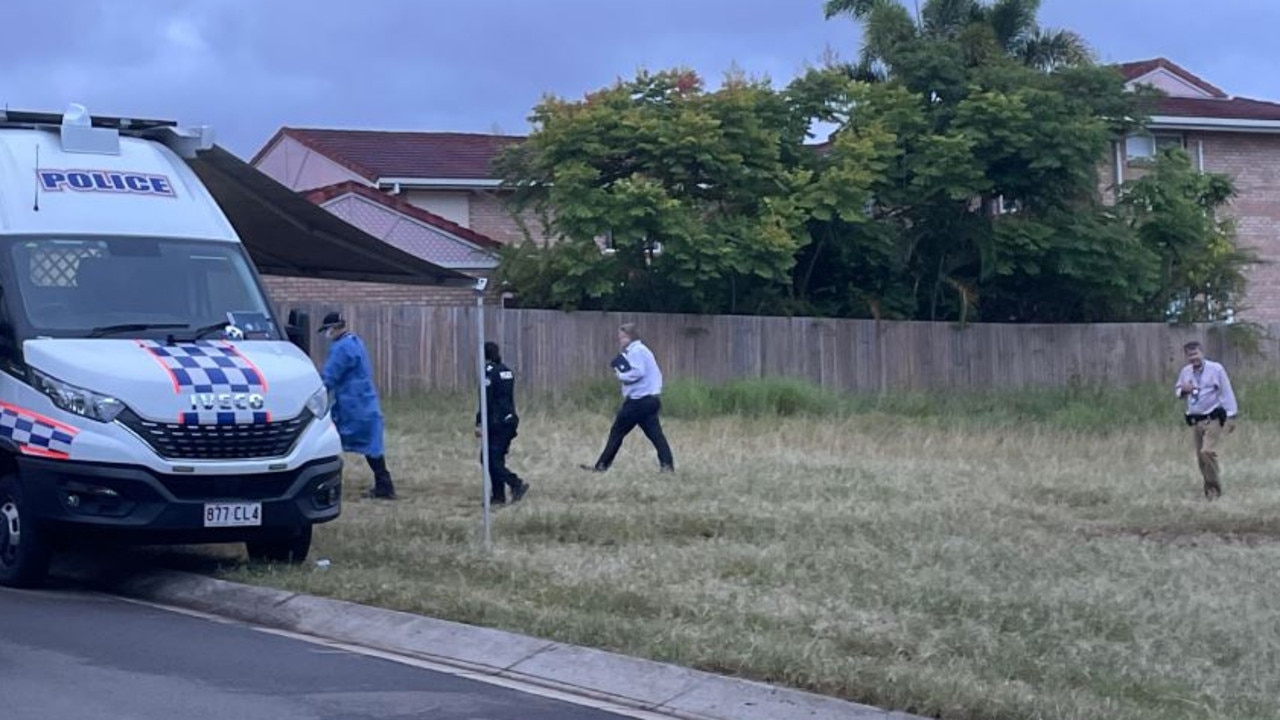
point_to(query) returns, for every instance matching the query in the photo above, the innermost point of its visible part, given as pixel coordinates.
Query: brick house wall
(491, 215)
(1232, 136)
(285, 291)
(484, 211)
(451, 205)
(1252, 161)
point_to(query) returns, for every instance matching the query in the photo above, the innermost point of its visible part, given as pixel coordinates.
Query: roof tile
(1232, 109)
(377, 154)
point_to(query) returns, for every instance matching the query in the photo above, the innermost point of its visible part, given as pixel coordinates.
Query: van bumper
(137, 504)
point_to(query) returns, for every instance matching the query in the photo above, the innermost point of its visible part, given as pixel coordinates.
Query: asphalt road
(79, 656)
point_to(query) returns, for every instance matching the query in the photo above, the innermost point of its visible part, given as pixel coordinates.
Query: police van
(148, 391)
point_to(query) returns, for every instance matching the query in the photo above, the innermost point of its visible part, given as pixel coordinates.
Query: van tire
(292, 548)
(24, 549)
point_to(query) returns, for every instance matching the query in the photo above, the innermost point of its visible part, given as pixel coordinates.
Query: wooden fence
(416, 348)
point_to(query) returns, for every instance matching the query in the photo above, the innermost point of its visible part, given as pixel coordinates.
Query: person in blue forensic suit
(348, 375)
(500, 401)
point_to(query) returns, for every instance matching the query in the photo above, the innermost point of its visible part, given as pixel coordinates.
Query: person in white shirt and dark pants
(641, 380)
(1211, 411)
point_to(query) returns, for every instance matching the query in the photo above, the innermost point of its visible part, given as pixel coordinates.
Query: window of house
(1144, 146)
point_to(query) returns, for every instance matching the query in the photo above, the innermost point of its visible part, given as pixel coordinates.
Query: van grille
(239, 487)
(218, 442)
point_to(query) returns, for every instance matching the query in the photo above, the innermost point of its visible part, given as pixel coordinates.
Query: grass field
(1031, 555)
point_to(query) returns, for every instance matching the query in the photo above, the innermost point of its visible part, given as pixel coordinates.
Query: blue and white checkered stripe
(207, 367)
(224, 417)
(35, 434)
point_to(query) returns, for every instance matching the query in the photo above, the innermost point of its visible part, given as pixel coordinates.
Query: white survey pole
(484, 406)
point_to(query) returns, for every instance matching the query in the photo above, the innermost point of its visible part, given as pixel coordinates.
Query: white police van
(148, 392)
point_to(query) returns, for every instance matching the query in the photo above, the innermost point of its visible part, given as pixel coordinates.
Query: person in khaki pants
(1211, 411)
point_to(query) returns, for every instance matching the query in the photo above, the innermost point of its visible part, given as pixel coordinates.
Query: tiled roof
(1220, 106)
(1136, 69)
(1222, 109)
(375, 154)
(323, 195)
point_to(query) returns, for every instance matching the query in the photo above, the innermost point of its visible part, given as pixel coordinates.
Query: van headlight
(318, 403)
(77, 400)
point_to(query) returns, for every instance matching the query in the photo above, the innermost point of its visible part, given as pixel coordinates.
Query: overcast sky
(249, 66)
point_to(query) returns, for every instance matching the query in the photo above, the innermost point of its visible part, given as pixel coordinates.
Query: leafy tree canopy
(963, 180)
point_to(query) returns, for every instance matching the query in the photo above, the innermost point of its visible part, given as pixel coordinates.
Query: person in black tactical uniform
(499, 393)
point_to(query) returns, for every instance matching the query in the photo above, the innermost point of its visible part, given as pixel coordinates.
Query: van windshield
(98, 287)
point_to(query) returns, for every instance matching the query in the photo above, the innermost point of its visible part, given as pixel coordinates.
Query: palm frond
(885, 30)
(1051, 49)
(948, 18)
(1013, 21)
(857, 9)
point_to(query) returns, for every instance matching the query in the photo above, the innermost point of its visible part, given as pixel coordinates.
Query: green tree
(961, 183)
(663, 196)
(1178, 214)
(994, 198)
(976, 30)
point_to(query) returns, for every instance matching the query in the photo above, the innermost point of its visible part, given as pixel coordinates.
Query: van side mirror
(299, 330)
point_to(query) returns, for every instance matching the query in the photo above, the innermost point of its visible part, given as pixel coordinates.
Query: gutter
(467, 267)
(1160, 122)
(435, 183)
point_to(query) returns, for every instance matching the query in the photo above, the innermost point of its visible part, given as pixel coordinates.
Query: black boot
(383, 488)
(518, 492)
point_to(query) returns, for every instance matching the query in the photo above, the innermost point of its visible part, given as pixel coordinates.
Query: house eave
(1176, 122)
(412, 183)
(470, 266)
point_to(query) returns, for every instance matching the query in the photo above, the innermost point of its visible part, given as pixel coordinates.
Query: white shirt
(643, 377)
(1212, 388)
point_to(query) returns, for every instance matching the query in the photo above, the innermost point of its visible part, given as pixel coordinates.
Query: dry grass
(965, 571)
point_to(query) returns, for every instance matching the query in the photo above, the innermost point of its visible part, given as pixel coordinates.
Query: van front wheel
(290, 548)
(24, 551)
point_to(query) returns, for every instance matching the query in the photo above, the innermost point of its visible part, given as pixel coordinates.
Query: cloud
(248, 66)
(183, 34)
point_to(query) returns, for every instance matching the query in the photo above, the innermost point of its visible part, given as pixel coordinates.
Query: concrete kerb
(604, 676)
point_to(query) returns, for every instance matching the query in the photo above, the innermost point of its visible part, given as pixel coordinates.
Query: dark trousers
(382, 485)
(643, 412)
(500, 476)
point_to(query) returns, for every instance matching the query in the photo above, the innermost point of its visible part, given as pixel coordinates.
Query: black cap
(331, 320)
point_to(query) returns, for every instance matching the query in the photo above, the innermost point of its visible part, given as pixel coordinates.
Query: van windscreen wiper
(201, 332)
(106, 330)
